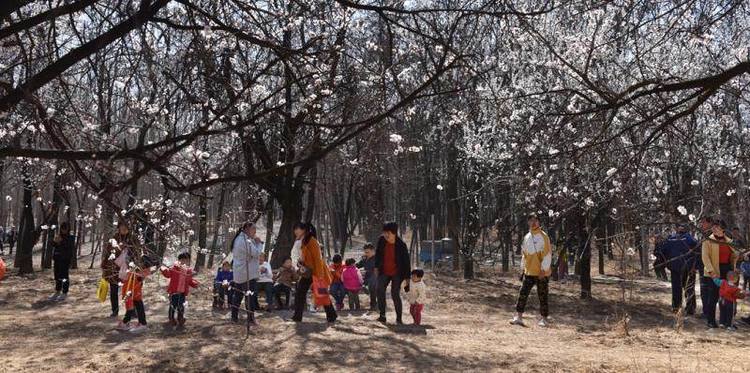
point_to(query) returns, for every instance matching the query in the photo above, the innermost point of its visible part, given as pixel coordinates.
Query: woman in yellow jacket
(537, 267)
(718, 259)
(312, 268)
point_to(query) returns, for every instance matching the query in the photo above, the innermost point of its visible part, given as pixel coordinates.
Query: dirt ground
(466, 329)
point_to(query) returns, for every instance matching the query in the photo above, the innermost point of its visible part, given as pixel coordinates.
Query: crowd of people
(125, 267)
(717, 260)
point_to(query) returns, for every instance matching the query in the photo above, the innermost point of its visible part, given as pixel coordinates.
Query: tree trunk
(24, 260)
(217, 225)
(200, 260)
(291, 213)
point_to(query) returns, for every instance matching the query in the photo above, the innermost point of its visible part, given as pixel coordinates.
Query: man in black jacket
(391, 266)
(64, 249)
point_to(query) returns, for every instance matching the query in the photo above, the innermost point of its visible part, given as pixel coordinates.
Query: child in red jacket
(180, 281)
(729, 292)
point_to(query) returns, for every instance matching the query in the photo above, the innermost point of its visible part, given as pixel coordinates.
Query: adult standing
(63, 249)
(392, 267)
(120, 241)
(718, 259)
(11, 237)
(312, 269)
(537, 261)
(246, 250)
(677, 252)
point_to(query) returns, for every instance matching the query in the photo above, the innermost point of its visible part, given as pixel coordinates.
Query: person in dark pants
(11, 239)
(718, 259)
(537, 267)
(392, 266)
(246, 250)
(677, 251)
(370, 280)
(312, 268)
(63, 249)
(121, 240)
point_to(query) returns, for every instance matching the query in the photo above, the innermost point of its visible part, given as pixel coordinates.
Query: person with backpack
(677, 251)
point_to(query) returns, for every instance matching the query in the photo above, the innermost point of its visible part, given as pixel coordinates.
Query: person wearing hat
(718, 259)
(677, 251)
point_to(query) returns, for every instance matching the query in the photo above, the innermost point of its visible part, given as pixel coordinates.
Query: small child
(370, 280)
(265, 281)
(284, 280)
(180, 277)
(416, 295)
(224, 278)
(133, 272)
(729, 292)
(337, 286)
(352, 280)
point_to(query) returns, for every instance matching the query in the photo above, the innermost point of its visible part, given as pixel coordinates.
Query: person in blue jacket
(680, 255)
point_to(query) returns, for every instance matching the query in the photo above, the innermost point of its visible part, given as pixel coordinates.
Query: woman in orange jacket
(313, 270)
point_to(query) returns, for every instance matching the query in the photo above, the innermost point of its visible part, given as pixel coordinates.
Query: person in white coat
(246, 250)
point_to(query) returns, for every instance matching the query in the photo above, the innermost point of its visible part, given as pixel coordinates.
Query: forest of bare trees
(190, 116)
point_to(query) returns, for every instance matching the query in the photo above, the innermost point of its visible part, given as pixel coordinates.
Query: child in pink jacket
(352, 283)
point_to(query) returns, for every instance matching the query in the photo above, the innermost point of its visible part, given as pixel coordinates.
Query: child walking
(133, 272)
(352, 280)
(729, 292)
(416, 295)
(337, 285)
(224, 278)
(285, 279)
(180, 277)
(370, 280)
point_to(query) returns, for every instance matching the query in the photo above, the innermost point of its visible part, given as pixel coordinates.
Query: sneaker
(54, 297)
(381, 319)
(123, 326)
(517, 320)
(543, 322)
(140, 328)
(712, 325)
(731, 328)
(722, 326)
(62, 297)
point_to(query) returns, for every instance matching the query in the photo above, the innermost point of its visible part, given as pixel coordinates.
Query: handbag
(102, 290)
(321, 296)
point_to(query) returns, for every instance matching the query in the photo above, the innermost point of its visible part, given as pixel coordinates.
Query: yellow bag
(101, 292)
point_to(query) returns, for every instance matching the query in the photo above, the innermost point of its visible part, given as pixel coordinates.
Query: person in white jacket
(246, 250)
(416, 295)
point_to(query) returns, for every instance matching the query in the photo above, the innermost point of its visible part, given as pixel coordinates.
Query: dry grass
(466, 330)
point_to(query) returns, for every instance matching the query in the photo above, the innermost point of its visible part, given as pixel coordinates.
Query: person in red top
(180, 277)
(391, 266)
(337, 285)
(729, 292)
